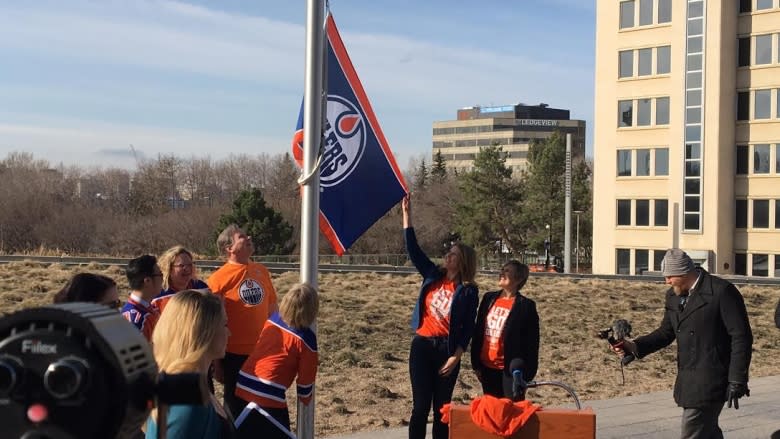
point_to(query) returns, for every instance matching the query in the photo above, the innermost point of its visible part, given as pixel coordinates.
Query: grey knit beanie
(676, 263)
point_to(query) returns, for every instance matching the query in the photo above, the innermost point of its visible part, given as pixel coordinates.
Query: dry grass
(364, 338)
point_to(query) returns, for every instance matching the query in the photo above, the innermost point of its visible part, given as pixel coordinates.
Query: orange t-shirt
(249, 299)
(436, 315)
(492, 354)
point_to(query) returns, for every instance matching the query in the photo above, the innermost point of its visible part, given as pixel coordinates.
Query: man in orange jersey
(249, 297)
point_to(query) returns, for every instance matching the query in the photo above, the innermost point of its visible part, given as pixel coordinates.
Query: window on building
(642, 212)
(743, 57)
(777, 157)
(624, 163)
(626, 59)
(740, 264)
(777, 265)
(661, 213)
(742, 159)
(662, 161)
(641, 258)
(763, 102)
(741, 219)
(623, 256)
(693, 115)
(664, 11)
(760, 214)
(764, 4)
(658, 257)
(760, 265)
(691, 221)
(777, 215)
(645, 62)
(624, 212)
(743, 105)
(645, 12)
(764, 49)
(692, 151)
(777, 91)
(643, 112)
(694, 62)
(625, 113)
(693, 80)
(761, 159)
(695, 27)
(627, 14)
(662, 111)
(663, 62)
(692, 186)
(745, 5)
(642, 162)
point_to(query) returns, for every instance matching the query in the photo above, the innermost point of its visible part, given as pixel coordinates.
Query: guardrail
(283, 267)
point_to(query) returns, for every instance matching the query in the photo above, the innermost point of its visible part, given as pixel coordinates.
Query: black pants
(702, 422)
(231, 365)
(256, 425)
(426, 357)
(496, 383)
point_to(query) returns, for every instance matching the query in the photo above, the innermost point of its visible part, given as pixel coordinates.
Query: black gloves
(734, 392)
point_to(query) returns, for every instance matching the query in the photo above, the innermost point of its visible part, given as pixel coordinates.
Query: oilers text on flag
(359, 178)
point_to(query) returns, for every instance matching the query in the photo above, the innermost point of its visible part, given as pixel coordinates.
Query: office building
(687, 135)
(513, 127)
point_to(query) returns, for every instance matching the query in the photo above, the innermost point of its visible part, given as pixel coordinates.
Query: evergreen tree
(421, 176)
(439, 169)
(544, 188)
(488, 212)
(270, 233)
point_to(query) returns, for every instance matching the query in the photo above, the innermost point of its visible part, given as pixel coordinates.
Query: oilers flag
(359, 177)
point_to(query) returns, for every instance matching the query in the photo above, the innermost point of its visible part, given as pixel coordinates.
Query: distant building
(687, 135)
(512, 127)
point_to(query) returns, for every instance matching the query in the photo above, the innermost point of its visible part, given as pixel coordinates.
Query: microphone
(518, 382)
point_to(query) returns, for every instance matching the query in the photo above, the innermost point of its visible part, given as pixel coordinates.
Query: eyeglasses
(181, 266)
(114, 304)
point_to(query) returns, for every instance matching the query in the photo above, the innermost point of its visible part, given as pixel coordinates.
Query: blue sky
(81, 80)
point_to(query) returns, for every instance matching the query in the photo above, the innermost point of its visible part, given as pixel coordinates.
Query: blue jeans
(426, 356)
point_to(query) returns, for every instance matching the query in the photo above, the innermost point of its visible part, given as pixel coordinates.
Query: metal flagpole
(312, 136)
(567, 211)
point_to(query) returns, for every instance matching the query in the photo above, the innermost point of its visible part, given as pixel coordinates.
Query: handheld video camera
(80, 370)
(615, 335)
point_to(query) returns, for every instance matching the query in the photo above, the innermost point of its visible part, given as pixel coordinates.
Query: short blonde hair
(300, 306)
(225, 239)
(165, 261)
(183, 335)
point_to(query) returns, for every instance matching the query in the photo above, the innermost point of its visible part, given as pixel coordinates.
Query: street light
(577, 243)
(547, 244)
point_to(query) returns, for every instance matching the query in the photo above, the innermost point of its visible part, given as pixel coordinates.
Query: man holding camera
(707, 317)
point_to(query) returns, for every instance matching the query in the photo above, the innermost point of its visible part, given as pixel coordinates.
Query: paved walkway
(656, 416)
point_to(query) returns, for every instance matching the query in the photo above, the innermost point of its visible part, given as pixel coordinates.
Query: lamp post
(547, 243)
(577, 243)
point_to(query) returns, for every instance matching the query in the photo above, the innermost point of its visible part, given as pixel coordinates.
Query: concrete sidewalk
(656, 416)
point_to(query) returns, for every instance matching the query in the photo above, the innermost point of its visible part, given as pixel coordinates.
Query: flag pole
(310, 204)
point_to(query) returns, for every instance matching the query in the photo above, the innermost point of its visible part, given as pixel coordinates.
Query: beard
(677, 290)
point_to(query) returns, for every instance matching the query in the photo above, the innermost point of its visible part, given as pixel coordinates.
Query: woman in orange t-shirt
(507, 328)
(443, 321)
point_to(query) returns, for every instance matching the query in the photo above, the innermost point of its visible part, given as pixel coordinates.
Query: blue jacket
(464, 301)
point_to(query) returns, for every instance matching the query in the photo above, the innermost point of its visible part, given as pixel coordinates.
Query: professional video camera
(615, 335)
(80, 370)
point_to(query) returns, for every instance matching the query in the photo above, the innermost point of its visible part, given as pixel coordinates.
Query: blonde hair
(183, 335)
(300, 306)
(165, 261)
(467, 263)
(225, 239)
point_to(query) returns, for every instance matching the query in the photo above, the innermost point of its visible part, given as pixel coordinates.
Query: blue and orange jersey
(280, 354)
(142, 314)
(249, 298)
(162, 299)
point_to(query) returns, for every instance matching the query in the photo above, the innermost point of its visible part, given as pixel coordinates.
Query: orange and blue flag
(359, 178)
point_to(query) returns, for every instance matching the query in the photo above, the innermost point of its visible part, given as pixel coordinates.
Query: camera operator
(707, 317)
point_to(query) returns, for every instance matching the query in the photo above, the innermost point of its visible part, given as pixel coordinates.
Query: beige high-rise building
(687, 135)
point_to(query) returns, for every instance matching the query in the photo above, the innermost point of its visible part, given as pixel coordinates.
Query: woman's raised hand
(406, 206)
